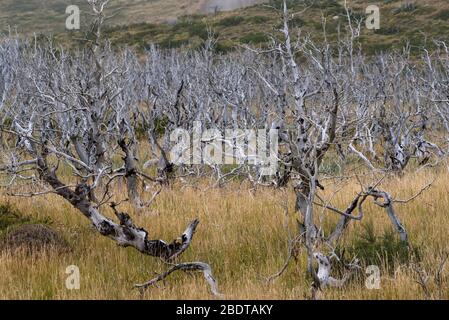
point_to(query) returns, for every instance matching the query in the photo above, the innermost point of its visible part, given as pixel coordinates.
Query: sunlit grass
(242, 235)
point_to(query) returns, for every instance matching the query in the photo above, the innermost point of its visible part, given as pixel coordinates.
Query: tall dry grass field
(243, 235)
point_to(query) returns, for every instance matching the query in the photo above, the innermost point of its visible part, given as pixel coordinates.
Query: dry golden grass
(242, 235)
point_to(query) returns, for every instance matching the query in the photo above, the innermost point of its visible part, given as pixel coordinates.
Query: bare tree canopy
(73, 123)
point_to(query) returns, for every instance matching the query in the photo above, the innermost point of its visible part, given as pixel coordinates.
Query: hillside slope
(416, 23)
(49, 15)
(176, 23)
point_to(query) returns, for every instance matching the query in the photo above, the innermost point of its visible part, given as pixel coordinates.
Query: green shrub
(373, 48)
(10, 217)
(161, 125)
(193, 27)
(391, 30)
(170, 43)
(231, 21)
(198, 29)
(296, 22)
(385, 250)
(7, 122)
(442, 15)
(224, 47)
(254, 38)
(258, 19)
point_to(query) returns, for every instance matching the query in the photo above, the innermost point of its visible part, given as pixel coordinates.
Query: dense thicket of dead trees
(91, 111)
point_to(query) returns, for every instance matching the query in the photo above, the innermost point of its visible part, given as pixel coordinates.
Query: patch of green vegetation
(258, 19)
(322, 4)
(373, 48)
(330, 166)
(254, 38)
(442, 15)
(279, 3)
(224, 46)
(385, 250)
(171, 43)
(7, 122)
(405, 8)
(231, 21)
(389, 30)
(161, 125)
(296, 22)
(193, 27)
(400, 26)
(10, 217)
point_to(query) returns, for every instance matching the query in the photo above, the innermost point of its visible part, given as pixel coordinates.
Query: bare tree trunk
(388, 205)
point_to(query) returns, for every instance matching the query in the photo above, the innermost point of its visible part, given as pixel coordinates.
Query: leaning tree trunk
(126, 234)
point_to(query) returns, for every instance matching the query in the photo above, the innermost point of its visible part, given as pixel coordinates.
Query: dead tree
(80, 111)
(89, 112)
(328, 97)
